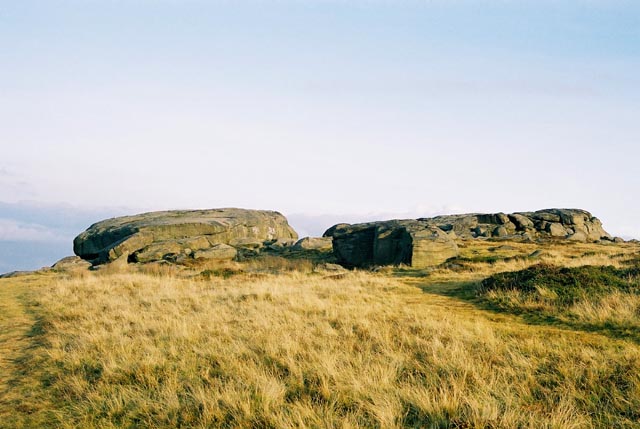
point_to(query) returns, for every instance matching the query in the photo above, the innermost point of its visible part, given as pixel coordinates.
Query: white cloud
(12, 230)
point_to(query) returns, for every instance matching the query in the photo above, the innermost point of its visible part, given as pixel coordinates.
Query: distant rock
(323, 244)
(13, 274)
(174, 235)
(71, 263)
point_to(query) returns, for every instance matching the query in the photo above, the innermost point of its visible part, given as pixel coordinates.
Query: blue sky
(319, 109)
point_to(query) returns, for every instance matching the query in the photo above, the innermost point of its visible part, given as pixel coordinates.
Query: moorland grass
(592, 298)
(164, 348)
(567, 285)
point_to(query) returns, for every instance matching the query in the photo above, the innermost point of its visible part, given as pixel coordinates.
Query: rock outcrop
(174, 235)
(430, 241)
(574, 224)
(394, 242)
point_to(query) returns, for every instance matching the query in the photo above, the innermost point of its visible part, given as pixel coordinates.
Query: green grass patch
(570, 285)
(602, 299)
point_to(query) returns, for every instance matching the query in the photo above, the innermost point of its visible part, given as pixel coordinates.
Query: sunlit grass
(603, 298)
(166, 347)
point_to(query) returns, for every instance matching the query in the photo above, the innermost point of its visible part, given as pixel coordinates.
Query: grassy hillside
(281, 344)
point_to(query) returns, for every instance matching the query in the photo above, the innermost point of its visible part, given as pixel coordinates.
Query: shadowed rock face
(430, 241)
(394, 242)
(154, 236)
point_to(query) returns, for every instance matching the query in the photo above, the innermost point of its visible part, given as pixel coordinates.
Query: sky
(324, 110)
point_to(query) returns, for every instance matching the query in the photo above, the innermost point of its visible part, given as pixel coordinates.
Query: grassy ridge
(605, 299)
(567, 285)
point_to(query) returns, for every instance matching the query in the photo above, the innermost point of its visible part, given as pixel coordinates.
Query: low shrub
(569, 284)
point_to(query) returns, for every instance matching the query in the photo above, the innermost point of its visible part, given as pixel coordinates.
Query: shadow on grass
(467, 291)
(410, 273)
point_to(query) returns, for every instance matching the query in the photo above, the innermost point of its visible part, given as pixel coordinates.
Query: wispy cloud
(12, 230)
(34, 234)
(67, 220)
(14, 187)
(419, 87)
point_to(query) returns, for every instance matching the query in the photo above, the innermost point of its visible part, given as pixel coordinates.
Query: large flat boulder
(155, 236)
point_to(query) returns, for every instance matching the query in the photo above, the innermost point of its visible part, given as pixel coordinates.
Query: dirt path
(443, 295)
(16, 324)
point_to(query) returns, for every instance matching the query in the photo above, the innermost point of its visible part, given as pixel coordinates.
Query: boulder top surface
(177, 217)
(111, 238)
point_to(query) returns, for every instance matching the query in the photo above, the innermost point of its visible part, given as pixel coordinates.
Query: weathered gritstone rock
(155, 236)
(281, 244)
(395, 242)
(429, 241)
(579, 225)
(323, 244)
(219, 252)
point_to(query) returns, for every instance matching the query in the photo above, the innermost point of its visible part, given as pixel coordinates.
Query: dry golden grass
(604, 299)
(480, 259)
(169, 348)
(617, 308)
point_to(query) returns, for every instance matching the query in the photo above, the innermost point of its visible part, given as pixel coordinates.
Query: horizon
(317, 109)
(26, 251)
